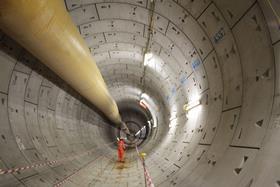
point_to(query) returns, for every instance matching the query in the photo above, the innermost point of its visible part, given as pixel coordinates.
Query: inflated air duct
(46, 30)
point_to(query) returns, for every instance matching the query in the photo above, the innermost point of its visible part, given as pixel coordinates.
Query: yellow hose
(45, 28)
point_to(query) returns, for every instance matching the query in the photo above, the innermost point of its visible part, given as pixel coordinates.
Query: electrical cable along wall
(220, 57)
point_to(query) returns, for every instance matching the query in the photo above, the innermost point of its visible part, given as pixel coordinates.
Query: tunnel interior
(157, 58)
(137, 120)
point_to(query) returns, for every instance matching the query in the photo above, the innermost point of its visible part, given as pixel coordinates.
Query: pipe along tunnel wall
(225, 53)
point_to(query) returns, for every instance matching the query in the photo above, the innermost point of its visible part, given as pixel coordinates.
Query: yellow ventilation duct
(45, 28)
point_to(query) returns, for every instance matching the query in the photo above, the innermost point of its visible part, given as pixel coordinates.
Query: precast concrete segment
(71, 175)
(47, 31)
(51, 163)
(219, 50)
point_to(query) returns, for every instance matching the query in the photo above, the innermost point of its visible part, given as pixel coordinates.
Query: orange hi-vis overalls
(121, 148)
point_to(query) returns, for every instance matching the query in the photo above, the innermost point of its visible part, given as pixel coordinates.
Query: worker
(121, 148)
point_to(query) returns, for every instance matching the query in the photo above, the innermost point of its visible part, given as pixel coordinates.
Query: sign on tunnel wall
(195, 63)
(219, 35)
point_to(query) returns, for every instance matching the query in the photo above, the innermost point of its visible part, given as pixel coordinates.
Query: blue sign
(183, 79)
(219, 35)
(195, 63)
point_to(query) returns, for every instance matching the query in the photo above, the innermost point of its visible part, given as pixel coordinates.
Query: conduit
(46, 30)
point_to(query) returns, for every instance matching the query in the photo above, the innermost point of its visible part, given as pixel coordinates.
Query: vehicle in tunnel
(195, 81)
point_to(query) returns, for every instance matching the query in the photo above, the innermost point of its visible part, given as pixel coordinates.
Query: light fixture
(147, 58)
(191, 105)
(138, 132)
(155, 122)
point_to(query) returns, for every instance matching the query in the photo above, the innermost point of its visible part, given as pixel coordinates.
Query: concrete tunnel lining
(224, 52)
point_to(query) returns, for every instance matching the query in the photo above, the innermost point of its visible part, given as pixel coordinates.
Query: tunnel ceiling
(222, 53)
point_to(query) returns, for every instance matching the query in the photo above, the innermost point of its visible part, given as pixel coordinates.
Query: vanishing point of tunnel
(191, 86)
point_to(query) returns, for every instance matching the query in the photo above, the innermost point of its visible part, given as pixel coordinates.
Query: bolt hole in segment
(239, 169)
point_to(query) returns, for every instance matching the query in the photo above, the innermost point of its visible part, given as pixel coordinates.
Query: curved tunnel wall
(225, 52)
(42, 120)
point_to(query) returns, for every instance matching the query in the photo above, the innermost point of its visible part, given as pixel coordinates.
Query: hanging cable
(274, 12)
(148, 44)
(147, 176)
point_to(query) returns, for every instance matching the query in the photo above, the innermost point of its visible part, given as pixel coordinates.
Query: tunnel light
(142, 95)
(138, 132)
(191, 105)
(155, 122)
(173, 123)
(148, 57)
(145, 97)
(150, 124)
